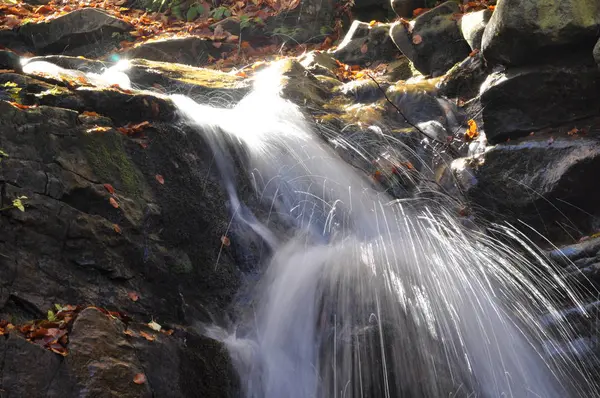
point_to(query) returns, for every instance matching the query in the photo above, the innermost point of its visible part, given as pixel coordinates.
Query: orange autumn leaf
(109, 188)
(88, 113)
(20, 106)
(116, 228)
(133, 296)
(130, 333)
(241, 74)
(419, 11)
(372, 23)
(113, 203)
(225, 241)
(160, 179)
(147, 336)
(139, 378)
(474, 53)
(472, 132)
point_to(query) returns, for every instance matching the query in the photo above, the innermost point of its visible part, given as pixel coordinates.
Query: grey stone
(433, 42)
(472, 26)
(364, 44)
(524, 32)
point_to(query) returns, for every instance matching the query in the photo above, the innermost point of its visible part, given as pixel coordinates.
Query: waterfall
(365, 295)
(368, 296)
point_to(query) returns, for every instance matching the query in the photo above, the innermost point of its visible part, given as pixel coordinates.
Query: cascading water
(366, 296)
(373, 297)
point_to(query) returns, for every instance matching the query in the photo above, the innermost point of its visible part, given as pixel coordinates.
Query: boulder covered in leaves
(433, 42)
(524, 32)
(87, 31)
(521, 100)
(365, 43)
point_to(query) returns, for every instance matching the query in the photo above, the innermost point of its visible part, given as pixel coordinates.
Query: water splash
(373, 297)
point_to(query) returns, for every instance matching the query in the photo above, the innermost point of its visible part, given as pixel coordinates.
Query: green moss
(109, 161)
(553, 15)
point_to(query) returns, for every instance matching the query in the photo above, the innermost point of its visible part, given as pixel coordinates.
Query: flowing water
(364, 295)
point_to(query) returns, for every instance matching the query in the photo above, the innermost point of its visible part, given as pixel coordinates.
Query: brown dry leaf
(225, 241)
(20, 106)
(116, 228)
(133, 296)
(139, 378)
(574, 131)
(114, 203)
(474, 52)
(417, 39)
(160, 179)
(130, 333)
(88, 113)
(109, 188)
(147, 336)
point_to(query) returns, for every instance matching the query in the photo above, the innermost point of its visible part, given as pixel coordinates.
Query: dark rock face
(542, 182)
(187, 50)
(597, 53)
(435, 42)
(72, 245)
(521, 100)
(525, 32)
(309, 22)
(103, 362)
(405, 8)
(88, 32)
(364, 43)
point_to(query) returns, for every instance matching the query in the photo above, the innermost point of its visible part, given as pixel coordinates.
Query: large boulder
(405, 8)
(364, 44)
(543, 181)
(521, 100)
(473, 25)
(307, 21)
(87, 32)
(521, 32)
(183, 50)
(433, 42)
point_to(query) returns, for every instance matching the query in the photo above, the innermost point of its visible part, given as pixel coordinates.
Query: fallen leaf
(154, 326)
(160, 179)
(133, 296)
(474, 52)
(117, 229)
(372, 23)
(130, 333)
(472, 132)
(139, 378)
(88, 113)
(147, 336)
(113, 203)
(417, 39)
(109, 188)
(225, 241)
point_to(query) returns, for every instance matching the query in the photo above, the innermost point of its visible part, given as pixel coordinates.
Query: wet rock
(212, 86)
(576, 252)
(364, 43)
(183, 50)
(10, 60)
(597, 53)
(400, 69)
(309, 22)
(435, 43)
(405, 8)
(103, 362)
(464, 80)
(249, 31)
(524, 32)
(364, 90)
(67, 232)
(11, 40)
(521, 100)
(299, 85)
(542, 183)
(88, 32)
(319, 63)
(472, 26)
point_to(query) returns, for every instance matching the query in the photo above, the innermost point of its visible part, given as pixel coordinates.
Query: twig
(452, 150)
